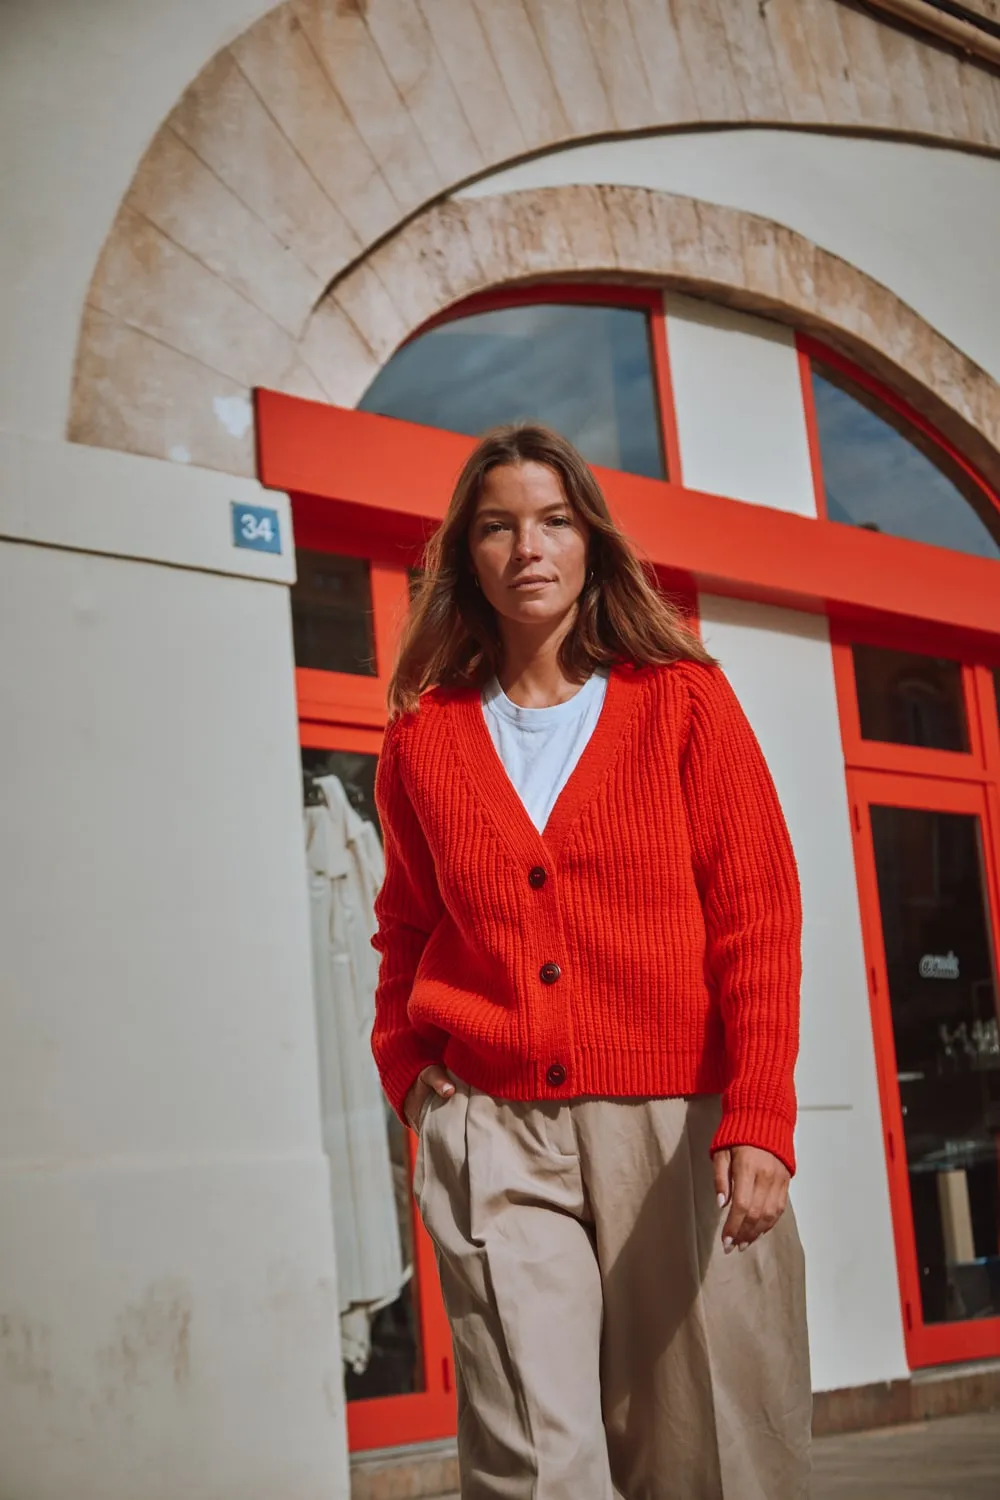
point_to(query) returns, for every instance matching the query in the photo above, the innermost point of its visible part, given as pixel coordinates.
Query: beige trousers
(604, 1343)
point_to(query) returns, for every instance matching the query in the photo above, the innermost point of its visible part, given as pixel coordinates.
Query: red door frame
(900, 771)
(376, 487)
(926, 1343)
(340, 711)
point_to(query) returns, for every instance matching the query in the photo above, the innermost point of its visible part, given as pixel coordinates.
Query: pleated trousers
(605, 1345)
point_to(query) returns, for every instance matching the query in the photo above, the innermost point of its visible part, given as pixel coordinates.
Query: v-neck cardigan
(647, 943)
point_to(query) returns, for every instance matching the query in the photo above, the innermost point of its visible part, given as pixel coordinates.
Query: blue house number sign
(256, 526)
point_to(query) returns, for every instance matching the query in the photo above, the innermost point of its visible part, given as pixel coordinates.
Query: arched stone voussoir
(626, 234)
(329, 124)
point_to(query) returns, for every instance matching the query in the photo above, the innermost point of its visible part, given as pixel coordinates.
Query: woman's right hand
(432, 1080)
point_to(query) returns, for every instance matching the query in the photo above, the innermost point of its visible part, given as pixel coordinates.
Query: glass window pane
(366, 1148)
(881, 473)
(586, 371)
(906, 699)
(942, 993)
(332, 623)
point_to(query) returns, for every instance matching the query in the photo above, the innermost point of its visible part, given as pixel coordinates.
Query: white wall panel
(98, 500)
(169, 1329)
(83, 88)
(738, 399)
(166, 1254)
(780, 665)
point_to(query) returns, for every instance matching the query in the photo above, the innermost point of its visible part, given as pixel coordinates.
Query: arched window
(585, 369)
(882, 472)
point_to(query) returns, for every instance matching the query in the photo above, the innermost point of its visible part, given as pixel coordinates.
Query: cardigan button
(556, 1076)
(549, 973)
(537, 878)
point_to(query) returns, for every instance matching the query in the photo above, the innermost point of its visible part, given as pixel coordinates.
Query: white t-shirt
(540, 747)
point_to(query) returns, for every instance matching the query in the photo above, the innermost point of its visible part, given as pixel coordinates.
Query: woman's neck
(531, 674)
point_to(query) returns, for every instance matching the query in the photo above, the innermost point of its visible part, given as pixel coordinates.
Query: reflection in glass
(908, 699)
(364, 1143)
(332, 621)
(584, 370)
(881, 473)
(942, 992)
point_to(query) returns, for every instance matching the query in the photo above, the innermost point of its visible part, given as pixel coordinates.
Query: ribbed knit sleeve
(748, 882)
(407, 910)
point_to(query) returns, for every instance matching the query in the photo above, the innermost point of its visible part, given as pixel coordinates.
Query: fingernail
(727, 1244)
(745, 1245)
(448, 1090)
(721, 1200)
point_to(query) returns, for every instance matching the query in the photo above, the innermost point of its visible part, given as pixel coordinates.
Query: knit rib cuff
(410, 1054)
(755, 1127)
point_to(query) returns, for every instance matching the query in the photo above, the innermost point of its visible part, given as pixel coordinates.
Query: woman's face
(528, 548)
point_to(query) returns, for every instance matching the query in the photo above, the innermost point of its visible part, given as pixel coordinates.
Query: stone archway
(311, 151)
(467, 245)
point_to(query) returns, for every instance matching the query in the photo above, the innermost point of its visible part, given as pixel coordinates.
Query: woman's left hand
(755, 1185)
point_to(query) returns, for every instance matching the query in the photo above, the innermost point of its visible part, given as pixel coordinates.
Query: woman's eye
(561, 521)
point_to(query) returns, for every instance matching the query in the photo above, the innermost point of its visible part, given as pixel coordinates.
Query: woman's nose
(526, 543)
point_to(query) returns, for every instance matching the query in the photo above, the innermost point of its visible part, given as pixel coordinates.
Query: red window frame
(810, 350)
(376, 487)
(941, 780)
(926, 1343)
(907, 775)
(650, 299)
(339, 711)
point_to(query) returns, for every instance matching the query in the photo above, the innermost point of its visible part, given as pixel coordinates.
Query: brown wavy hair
(452, 638)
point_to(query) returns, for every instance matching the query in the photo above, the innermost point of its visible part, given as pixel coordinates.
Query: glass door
(930, 907)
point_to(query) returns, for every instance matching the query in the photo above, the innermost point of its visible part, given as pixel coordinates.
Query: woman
(588, 1010)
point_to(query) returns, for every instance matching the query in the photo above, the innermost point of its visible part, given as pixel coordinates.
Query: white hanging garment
(346, 866)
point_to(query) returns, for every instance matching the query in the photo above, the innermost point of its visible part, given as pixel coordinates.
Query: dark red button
(537, 877)
(549, 973)
(556, 1076)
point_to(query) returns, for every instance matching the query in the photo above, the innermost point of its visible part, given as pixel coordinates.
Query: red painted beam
(402, 475)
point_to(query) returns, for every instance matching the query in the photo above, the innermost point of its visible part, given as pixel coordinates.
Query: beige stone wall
(962, 28)
(329, 124)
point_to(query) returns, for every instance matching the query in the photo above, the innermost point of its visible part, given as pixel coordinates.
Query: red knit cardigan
(646, 944)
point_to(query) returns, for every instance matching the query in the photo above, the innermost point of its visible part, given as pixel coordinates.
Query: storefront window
(585, 370)
(365, 1144)
(332, 614)
(908, 699)
(942, 989)
(881, 473)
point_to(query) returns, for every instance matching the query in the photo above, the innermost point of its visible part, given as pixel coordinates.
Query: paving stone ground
(955, 1458)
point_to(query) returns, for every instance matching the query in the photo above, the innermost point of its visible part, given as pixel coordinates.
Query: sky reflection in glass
(875, 477)
(584, 370)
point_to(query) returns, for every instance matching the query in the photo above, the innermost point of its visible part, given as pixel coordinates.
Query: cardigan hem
(626, 1075)
(606, 1075)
